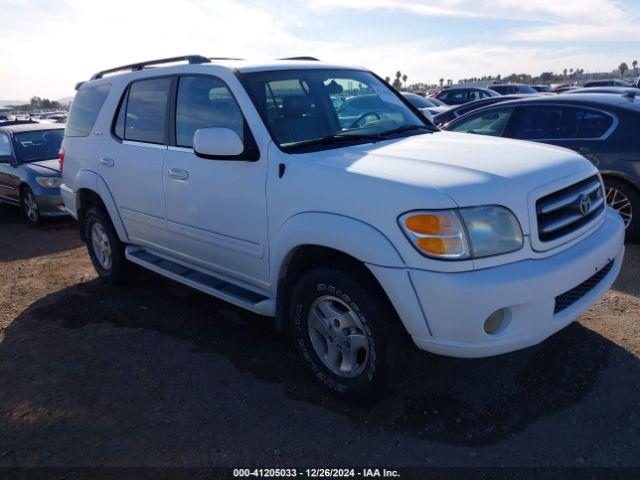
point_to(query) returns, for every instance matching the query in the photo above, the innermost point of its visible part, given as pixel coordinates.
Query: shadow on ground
(20, 241)
(64, 366)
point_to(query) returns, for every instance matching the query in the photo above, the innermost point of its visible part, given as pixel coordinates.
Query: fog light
(494, 321)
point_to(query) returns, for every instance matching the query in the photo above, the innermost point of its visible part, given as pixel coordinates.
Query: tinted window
(5, 146)
(205, 102)
(547, 122)
(146, 110)
(84, 110)
(594, 124)
(454, 95)
(38, 144)
(491, 123)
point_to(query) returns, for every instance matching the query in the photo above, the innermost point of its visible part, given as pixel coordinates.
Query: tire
(105, 248)
(341, 326)
(29, 207)
(625, 199)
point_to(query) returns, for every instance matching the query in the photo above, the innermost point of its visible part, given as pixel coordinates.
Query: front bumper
(454, 306)
(49, 202)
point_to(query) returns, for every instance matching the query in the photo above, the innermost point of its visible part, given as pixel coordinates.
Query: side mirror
(217, 143)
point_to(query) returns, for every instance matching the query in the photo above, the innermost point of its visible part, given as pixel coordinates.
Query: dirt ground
(155, 374)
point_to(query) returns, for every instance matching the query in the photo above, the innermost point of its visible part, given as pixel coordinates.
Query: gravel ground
(155, 374)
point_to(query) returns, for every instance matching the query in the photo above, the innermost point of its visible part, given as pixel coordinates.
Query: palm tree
(387, 79)
(635, 66)
(623, 68)
(404, 80)
(441, 82)
(565, 73)
(571, 72)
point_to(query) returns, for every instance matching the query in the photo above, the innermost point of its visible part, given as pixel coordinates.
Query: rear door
(579, 129)
(134, 165)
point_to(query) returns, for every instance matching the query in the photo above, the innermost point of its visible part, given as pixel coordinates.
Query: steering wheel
(356, 123)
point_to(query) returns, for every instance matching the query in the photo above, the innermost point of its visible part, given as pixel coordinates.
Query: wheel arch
(310, 239)
(91, 190)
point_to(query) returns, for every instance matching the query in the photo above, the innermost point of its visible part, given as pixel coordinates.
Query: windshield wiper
(404, 128)
(332, 140)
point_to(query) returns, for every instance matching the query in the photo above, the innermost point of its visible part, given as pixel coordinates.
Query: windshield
(320, 107)
(38, 144)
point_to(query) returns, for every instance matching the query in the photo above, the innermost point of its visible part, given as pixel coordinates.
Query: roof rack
(139, 66)
(305, 59)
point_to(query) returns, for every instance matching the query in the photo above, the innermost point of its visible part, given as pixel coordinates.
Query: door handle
(178, 174)
(107, 162)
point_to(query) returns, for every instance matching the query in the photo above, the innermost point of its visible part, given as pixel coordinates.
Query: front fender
(351, 236)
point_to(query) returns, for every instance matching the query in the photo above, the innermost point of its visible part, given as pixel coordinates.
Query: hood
(470, 169)
(48, 168)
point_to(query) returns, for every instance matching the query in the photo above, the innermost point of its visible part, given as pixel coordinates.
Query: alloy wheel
(101, 246)
(31, 207)
(338, 336)
(617, 200)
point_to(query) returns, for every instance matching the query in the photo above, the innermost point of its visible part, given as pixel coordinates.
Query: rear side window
(594, 124)
(205, 102)
(492, 123)
(84, 110)
(547, 122)
(5, 145)
(142, 115)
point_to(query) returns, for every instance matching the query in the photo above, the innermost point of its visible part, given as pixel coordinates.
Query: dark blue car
(605, 128)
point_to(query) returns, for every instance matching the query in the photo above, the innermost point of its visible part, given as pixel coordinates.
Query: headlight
(463, 233)
(49, 182)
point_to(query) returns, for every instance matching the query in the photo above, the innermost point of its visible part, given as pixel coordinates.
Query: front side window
(85, 108)
(492, 123)
(144, 117)
(38, 145)
(205, 102)
(329, 107)
(547, 122)
(5, 145)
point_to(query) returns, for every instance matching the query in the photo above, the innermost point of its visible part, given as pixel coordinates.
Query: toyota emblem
(584, 203)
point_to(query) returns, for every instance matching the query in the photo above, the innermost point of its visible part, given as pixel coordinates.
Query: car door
(133, 166)
(568, 126)
(9, 179)
(216, 209)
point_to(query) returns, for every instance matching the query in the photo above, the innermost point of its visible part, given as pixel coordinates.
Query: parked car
(513, 88)
(617, 90)
(29, 172)
(606, 83)
(455, 112)
(356, 109)
(462, 95)
(562, 88)
(240, 180)
(427, 106)
(541, 88)
(7, 118)
(601, 127)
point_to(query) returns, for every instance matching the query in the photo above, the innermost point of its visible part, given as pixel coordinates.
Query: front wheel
(625, 200)
(340, 326)
(105, 248)
(29, 207)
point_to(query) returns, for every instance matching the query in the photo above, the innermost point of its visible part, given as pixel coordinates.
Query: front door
(216, 209)
(9, 179)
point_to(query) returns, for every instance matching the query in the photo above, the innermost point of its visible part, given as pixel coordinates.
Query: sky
(47, 46)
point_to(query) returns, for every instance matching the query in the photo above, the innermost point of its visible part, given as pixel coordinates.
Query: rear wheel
(105, 248)
(624, 199)
(29, 206)
(341, 327)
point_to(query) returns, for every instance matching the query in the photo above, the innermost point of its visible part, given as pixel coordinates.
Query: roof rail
(139, 66)
(305, 59)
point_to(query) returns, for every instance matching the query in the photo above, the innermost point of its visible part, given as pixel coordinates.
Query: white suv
(246, 182)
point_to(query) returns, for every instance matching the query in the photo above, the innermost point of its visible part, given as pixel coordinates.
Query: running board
(204, 282)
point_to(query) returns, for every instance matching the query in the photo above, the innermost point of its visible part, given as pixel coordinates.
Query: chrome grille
(569, 209)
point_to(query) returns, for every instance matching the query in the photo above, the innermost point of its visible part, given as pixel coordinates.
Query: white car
(241, 180)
